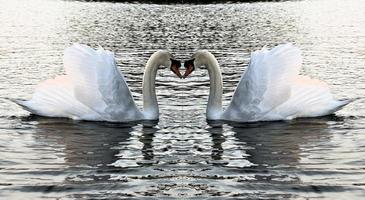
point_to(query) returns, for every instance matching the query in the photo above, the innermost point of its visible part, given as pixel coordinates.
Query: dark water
(183, 156)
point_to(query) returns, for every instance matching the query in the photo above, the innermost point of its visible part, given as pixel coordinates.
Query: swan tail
(25, 104)
(54, 98)
(309, 98)
(340, 104)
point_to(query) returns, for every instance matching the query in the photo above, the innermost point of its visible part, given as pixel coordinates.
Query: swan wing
(92, 89)
(98, 83)
(265, 84)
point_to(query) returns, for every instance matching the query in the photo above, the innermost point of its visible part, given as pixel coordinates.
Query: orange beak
(189, 67)
(175, 66)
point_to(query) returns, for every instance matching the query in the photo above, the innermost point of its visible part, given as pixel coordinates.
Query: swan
(93, 89)
(271, 88)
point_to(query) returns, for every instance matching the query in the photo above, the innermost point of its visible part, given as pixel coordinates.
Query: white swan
(270, 89)
(94, 89)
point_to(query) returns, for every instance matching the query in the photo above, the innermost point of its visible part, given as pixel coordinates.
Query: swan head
(165, 58)
(200, 58)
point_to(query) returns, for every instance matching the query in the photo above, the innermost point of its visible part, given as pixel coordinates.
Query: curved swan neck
(214, 108)
(150, 105)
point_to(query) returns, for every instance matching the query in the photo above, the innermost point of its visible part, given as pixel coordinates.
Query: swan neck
(150, 105)
(214, 108)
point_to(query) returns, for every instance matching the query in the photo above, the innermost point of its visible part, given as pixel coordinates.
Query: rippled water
(183, 156)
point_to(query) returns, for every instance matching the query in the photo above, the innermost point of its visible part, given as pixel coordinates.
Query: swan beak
(189, 67)
(175, 66)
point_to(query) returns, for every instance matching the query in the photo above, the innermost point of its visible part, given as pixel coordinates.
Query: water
(182, 156)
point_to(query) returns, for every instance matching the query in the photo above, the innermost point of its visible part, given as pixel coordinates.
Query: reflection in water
(268, 156)
(182, 156)
(269, 144)
(278, 143)
(93, 153)
(85, 143)
(217, 140)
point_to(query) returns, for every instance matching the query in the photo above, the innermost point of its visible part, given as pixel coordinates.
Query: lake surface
(182, 156)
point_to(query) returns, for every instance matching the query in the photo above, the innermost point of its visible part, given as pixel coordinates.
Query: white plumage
(92, 89)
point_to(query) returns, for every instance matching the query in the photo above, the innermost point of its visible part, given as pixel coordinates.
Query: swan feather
(92, 89)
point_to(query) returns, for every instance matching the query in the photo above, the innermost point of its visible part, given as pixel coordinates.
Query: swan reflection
(94, 144)
(269, 144)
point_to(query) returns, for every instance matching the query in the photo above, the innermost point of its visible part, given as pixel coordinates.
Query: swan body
(270, 89)
(94, 89)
